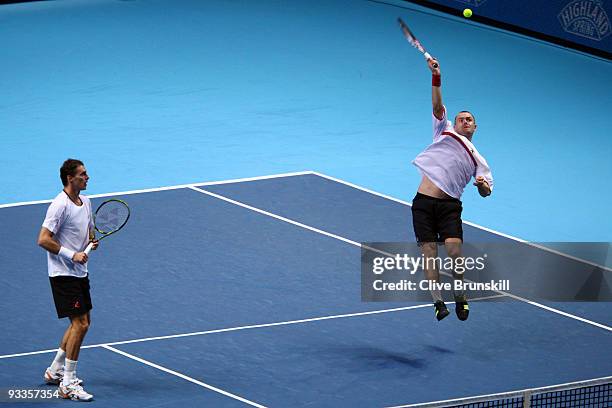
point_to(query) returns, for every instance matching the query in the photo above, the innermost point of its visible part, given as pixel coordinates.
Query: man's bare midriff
(430, 189)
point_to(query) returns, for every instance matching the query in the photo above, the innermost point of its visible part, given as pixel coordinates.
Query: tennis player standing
(66, 231)
(447, 165)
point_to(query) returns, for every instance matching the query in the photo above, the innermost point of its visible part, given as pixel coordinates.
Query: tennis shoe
(462, 308)
(74, 392)
(441, 310)
(55, 377)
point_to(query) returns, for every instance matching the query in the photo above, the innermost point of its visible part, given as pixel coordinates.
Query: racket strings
(111, 216)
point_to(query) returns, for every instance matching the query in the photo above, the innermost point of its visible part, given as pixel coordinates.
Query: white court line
(278, 217)
(176, 187)
(184, 377)
(253, 326)
(501, 234)
(349, 241)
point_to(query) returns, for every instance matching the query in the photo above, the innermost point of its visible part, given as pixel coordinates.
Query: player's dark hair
(69, 169)
(464, 111)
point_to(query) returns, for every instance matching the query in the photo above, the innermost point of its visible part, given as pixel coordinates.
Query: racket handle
(428, 57)
(88, 249)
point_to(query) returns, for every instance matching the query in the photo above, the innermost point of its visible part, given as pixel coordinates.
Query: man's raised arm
(436, 93)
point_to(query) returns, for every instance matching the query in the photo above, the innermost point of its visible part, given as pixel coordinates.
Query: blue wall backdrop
(584, 22)
(156, 92)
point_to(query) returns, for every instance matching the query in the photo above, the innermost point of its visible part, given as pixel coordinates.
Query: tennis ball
(467, 13)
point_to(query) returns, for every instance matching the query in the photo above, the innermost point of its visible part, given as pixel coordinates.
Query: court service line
(351, 242)
(252, 326)
(183, 376)
(175, 187)
(278, 217)
(492, 231)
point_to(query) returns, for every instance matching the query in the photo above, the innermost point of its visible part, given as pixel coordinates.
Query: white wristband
(66, 253)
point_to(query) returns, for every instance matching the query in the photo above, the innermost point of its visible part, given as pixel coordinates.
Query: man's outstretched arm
(436, 92)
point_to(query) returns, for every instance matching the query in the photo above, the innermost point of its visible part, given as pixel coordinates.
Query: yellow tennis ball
(467, 13)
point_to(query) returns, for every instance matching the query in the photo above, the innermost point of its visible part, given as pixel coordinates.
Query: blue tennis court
(284, 133)
(249, 294)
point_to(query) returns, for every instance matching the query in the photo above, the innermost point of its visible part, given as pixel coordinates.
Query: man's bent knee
(453, 247)
(430, 249)
(80, 322)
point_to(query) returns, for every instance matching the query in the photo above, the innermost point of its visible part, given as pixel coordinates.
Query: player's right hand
(80, 258)
(479, 181)
(431, 62)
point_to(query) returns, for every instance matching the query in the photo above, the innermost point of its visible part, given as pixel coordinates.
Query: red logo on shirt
(77, 304)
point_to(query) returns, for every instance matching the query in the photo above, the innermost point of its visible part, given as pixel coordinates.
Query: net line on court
(595, 393)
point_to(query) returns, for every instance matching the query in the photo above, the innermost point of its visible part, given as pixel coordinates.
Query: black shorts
(71, 295)
(436, 219)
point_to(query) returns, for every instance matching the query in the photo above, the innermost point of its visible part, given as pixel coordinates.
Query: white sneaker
(53, 377)
(56, 377)
(74, 391)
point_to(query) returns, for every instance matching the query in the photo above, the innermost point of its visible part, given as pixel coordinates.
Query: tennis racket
(110, 217)
(413, 40)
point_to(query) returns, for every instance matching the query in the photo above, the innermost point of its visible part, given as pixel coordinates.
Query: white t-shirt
(70, 225)
(451, 160)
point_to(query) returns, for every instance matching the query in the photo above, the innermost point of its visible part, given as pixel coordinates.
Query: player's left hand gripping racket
(413, 40)
(110, 217)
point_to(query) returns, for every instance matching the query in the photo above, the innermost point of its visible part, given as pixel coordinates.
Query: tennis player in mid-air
(66, 231)
(447, 166)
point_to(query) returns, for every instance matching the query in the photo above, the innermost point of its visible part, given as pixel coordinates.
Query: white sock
(459, 294)
(69, 371)
(58, 362)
